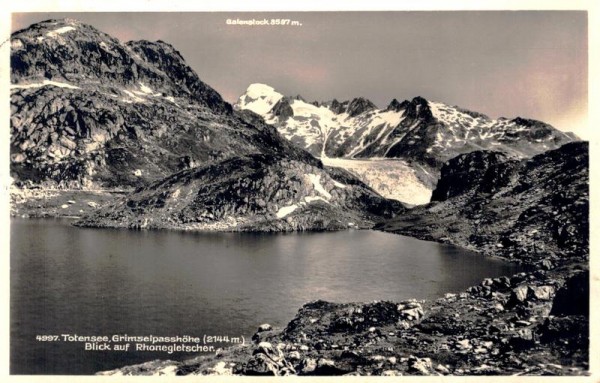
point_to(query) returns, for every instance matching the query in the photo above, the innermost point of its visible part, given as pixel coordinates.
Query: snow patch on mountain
(145, 89)
(385, 121)
(316, 181)
(310, 199)
(313, 123)
(44, 83)
(60, 31)
(476, 127)
(132, 97)
(286, 210)
(455, 118)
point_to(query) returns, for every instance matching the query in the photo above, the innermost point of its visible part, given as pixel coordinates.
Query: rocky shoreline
(533, 323)
(58, 203)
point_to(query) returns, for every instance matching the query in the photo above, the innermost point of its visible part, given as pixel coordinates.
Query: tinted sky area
(526, 63)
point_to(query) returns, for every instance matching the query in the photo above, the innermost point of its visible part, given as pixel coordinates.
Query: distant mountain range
(423, 134)
(417, 130)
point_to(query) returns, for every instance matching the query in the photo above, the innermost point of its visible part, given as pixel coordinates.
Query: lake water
(68, 280)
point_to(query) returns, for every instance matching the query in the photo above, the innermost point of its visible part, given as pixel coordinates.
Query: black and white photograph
(392, 193)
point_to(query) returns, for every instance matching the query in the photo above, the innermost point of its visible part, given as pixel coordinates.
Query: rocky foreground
(534, 323)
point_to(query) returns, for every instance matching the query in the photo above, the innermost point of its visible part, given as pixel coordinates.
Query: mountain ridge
(416, 136)
(429, 131)
(252, 193)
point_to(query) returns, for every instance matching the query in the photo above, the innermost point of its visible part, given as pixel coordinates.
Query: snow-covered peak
(427, 130)
(259, 98)
(262, 90)
(316, 126)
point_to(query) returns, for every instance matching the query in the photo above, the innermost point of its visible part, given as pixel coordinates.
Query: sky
(532, 64)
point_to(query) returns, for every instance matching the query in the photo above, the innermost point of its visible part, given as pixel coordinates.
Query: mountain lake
(68, 282)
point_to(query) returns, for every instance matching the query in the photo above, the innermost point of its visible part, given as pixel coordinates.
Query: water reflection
(89, 281)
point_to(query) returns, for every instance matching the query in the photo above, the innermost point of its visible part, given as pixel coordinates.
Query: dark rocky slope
(89, 112)
(533, 211)
(256, 192)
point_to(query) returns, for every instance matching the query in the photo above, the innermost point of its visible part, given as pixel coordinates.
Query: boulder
(420, 366)
(525, 293)
(264, 327)
(572, 330)
(267, 349)
(442, 369)
(268, 360)
(519, 294)
(342, 363)
(294, 355)
(260, 364)
(547, 264)
(308, 366)
(542, 293)
(410, 310)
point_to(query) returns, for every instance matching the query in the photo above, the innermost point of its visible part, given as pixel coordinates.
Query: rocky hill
(256, 192)
(421, 134)
(534, 211)
(91, 112)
